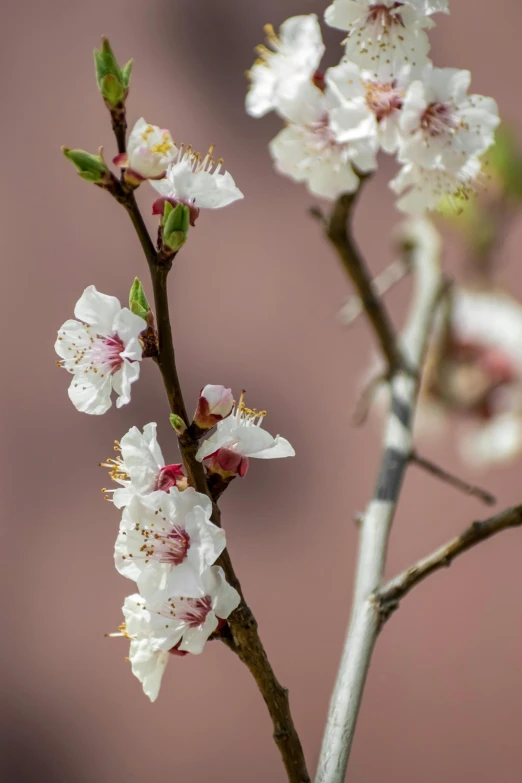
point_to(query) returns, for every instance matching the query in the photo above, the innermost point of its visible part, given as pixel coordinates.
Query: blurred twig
(421, 246)
(381, 284)
(454, 481)
(389, 596)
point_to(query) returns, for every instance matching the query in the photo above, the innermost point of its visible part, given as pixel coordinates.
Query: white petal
(123, 379)
(90, 398)
(194, 639)
(129, 326)
(280, 448)
(148, 666)
(98, 310)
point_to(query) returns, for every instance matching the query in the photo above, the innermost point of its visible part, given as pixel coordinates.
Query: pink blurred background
(254, 298)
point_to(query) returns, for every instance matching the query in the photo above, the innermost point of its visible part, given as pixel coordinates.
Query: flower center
(194, 611)
(105, 353)
(439, 120)
(169, 547)
(164, 147)
(383, 98)
(384, 16)
(168, 477)
(246, 415)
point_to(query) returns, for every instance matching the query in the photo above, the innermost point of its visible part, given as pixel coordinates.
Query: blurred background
(254, 295)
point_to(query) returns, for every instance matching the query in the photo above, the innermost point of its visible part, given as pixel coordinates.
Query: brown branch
(244, 639)
(339, 232)
(389, 596)
(454, 481)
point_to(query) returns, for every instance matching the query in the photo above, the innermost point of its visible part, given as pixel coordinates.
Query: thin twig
(423, 247)
(364, 403)
(339, 232)
(381, 284)
(454, 481)
(392, 592)
(244, 639)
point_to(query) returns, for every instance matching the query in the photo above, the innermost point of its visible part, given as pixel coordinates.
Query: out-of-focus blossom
(291, 61)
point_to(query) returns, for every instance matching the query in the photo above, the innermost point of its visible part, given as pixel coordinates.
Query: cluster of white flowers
(474, 370)
(385, 94)
(167, 543)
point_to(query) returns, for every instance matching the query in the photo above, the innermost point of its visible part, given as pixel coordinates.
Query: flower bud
(227, 463)
(178, 425)
(171, 476)
(150, 149)
(175, 225)
(215, 403)
(137, 300)
(91, 168)
(113, 81)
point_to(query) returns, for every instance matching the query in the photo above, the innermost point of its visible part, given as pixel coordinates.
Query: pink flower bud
(227, 463)
(215, 404)
(170, 476)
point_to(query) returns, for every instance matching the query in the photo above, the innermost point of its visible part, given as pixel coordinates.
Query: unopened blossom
(215, 404)
(141, 467)
(196, 181)
(381, 32)
(443, 126)
(370, 104)
(166, 542)
(292, 59)
(422, 189)
(149, 151)
(239, 437)
(474, 370)
(101, 349)
(174, 624)
(307, 149)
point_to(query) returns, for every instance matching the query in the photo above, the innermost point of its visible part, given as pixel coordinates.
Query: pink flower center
(166, 547)
(194, 611)
(105, 353)
(322, 137)
(439, 120)
(168, 477)
(384, 15)
(383, 98)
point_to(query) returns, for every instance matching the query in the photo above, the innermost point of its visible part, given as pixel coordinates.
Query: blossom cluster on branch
(167, 543)
(385, 94)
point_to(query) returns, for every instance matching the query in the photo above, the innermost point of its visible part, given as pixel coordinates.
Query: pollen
(162, 148)
(116, 468)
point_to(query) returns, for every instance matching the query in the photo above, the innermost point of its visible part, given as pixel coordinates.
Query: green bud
(175, 223)
(113, 81)
(137, 300)
(178, 425)
(90, 167)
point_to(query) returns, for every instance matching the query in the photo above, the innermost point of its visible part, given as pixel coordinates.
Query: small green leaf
(178, 425)
(176, 223)
(137, 300)
(90, 167)
(126, 74)
(112, 89)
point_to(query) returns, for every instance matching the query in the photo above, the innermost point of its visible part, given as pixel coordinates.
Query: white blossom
(422, 189)
(239, 437)
(474, 370)
(141, 467)
(198, 181)
(308, 151)
(149, 151)
(292, 60)
(101, 350)
(379, 33)
(370, 104)
(166, 542)
(441, 124)
(174, 624)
